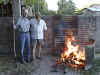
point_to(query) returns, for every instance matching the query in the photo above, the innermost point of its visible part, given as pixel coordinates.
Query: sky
(52, 4)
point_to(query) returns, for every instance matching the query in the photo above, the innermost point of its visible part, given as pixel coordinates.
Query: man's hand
(46, 36)
(14, 26)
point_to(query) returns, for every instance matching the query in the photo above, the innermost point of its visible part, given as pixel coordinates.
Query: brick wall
(55, 38)
(60, 28)
(83, 31)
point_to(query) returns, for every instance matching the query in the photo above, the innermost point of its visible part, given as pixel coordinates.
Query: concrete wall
(98, 33)
(93, 30)
(6, 37)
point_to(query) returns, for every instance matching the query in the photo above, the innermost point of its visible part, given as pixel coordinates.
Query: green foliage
(6, 1)
(43, 7)
(66, 7)
(50, 12)
(78, 11)
(0, 1)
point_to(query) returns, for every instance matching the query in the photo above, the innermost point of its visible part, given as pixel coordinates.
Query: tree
(4, 0)
(42, 5)
(66, 7)
(51, 12)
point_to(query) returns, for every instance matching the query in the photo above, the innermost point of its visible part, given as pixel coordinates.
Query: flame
(73, 53)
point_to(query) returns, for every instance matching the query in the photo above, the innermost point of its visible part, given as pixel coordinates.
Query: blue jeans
(25, 41)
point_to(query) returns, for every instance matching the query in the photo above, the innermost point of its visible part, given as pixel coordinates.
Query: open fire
(73, 54)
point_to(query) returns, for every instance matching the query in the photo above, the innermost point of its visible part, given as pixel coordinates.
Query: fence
(5, 10)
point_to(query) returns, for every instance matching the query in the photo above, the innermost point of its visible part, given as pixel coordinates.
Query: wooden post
(16, 5)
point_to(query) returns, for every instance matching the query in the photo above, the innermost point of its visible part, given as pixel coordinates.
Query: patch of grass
(9, 67)
(95, 70)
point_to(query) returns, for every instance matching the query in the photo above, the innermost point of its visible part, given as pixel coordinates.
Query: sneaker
(39, 58)
(27, 61)
(22, 62)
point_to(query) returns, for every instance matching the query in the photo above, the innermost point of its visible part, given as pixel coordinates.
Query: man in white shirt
(23, 26)
(38, 26)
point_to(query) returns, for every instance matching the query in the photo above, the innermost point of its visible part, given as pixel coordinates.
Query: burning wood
(72, 55)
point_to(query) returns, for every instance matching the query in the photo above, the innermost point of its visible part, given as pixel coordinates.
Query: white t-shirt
(37, 29)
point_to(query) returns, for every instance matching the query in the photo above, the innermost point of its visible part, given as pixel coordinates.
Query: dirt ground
(41, 67)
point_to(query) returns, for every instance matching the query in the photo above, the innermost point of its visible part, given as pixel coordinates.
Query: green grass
(95, 70)
(8, 67)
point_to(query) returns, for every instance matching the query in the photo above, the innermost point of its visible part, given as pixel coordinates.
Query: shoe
(39, 58)
(27, 61)
(32, 60)
(22, 62)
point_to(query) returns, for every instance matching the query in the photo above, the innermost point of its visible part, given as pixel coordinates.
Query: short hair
(91, 40)
(24, 8)
(38, 14)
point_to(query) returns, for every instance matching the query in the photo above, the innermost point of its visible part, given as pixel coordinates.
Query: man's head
(91, 41)
(24, 12)
(37, 15)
